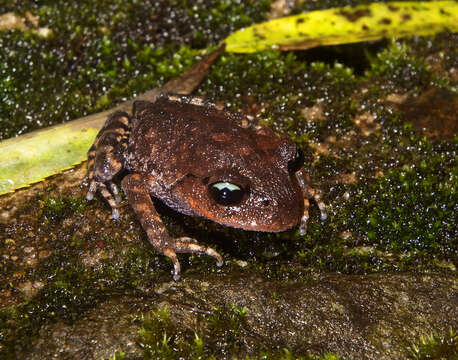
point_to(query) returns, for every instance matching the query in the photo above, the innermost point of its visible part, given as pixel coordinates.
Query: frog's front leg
(106, 159)
(138, 190)
(309, 193)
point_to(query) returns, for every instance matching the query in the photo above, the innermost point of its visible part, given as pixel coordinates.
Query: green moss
(409, 210)
(99, 53)
(327, 4)
(278, 86)
(219, 334)
(404, 220)
(118, 356)
(212, 19)
(140, 265)
(57, 208)
(400, 69)
(65, 297)
(436, 347)
(163, 65)
(72, 288)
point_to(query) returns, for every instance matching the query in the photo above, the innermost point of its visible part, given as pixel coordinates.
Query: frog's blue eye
(226, 193)
(296, 163)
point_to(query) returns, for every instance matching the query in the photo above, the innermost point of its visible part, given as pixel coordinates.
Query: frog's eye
(296, 163)
(226, 193)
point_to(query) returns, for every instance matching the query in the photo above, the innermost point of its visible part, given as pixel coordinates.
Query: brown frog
(200, 160)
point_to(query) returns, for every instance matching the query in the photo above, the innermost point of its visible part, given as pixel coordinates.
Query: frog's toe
(216, 256)
(303, 229)
(304, 218)
(112, 197)
(115, 191)
(188, 245)
(91, 191)
(115, 214)
(171, 254)
(322, 208)
(220, 263)
(316, 197)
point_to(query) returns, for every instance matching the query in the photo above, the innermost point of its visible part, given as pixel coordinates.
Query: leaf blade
(346, 25)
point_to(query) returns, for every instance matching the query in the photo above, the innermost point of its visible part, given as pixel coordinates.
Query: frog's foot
(189, 246)
(112, 196)
(105, 159)
(310, 193)
(138, 187)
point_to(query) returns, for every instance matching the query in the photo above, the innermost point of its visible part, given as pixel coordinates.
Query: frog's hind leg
(309, 194)
(106, 159)
(137, 190)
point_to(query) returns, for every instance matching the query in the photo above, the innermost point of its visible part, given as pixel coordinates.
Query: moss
(278, 86)
(212, 19)
(220, 333)
(400, 69)
(118, 356)
(73, 287)
(65, 297)
(57, 208)
(436, 347)
(99, 53)
(410, 209)
(327, 4)
(403, 221)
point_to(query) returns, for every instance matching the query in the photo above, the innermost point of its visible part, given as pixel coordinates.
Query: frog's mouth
(254, 213)
(247, 219)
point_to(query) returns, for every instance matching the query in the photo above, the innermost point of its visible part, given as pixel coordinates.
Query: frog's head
(257, 191)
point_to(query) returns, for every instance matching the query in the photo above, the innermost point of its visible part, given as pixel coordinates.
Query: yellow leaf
(347, 25)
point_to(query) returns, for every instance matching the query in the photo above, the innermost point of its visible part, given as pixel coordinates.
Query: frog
(200, 159)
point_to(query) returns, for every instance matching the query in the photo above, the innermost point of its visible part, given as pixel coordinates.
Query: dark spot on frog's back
(245, 150)
(222, 137)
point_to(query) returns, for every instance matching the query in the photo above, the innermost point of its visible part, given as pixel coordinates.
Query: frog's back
(175, 136)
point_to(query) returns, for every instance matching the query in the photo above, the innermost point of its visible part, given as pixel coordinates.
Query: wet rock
(353, 316)
(433, 113)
